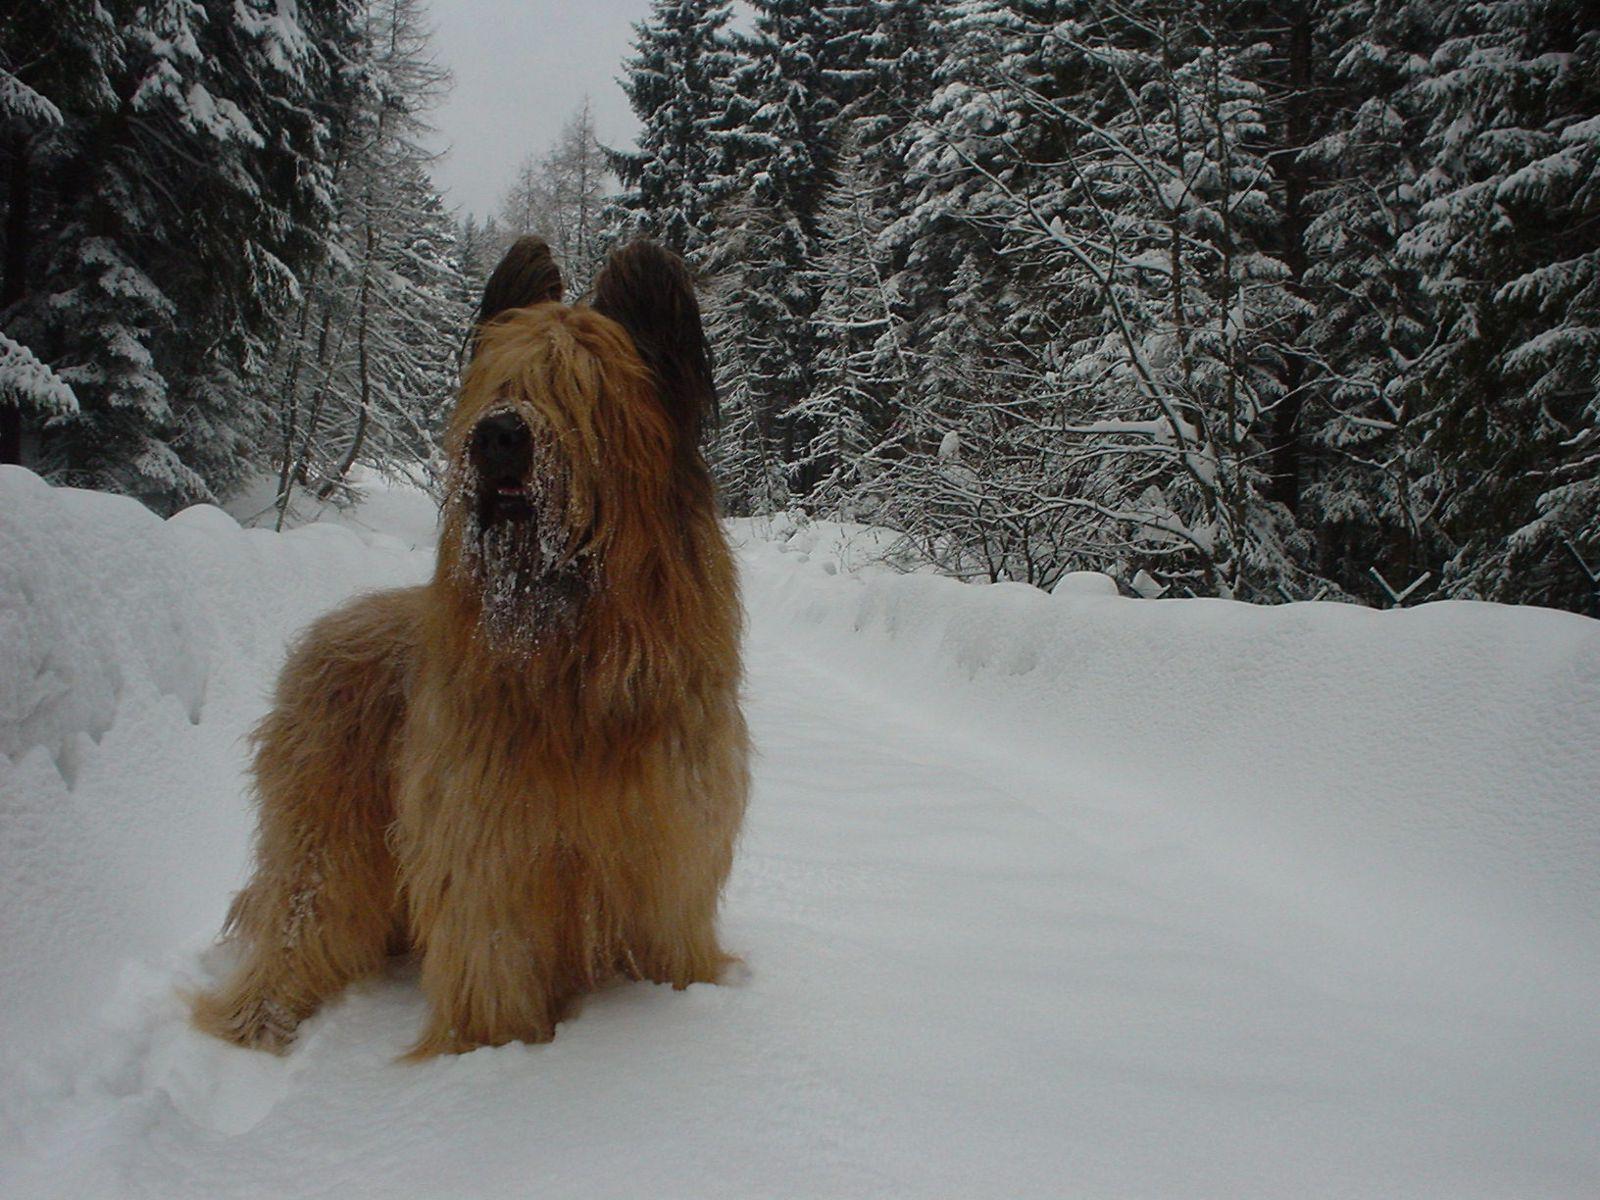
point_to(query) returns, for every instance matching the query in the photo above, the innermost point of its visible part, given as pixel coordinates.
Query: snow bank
(1426, 781)
(133, 653)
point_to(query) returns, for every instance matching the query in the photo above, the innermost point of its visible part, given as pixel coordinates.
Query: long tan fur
(535, 806)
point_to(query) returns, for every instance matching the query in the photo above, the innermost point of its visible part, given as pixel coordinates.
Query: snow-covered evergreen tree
(475, 255)
(1509, 247)
(1365, 494)
(863, 375)
(162, 228)
(751, 451)
(678, 82)
(55, 70)
(781, 161)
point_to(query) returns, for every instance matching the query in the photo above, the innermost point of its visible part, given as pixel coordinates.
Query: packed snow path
(979, 960)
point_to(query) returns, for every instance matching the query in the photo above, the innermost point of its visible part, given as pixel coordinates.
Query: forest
(1270, 301)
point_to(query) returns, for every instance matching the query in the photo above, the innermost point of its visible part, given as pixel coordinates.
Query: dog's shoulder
(369, 640)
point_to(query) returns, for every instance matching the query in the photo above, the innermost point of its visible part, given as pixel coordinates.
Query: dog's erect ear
(526, 275)
(645, 288)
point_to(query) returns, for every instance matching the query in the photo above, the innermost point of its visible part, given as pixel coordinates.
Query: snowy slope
(1040, 895)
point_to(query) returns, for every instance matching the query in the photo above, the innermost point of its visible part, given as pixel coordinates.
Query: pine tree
(1509, 247)
(55, 67)
(754, 449)
(1365, 490)
(782, 157)
(862, 374)
(678, 83)
(165, 222)
(473, 257)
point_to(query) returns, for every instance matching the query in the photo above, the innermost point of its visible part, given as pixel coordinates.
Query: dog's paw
(682, 966)
(254, 1022)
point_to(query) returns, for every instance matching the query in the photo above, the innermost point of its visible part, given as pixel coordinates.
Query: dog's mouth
(504, 500)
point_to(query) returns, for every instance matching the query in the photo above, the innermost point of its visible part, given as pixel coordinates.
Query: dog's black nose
(502, 447)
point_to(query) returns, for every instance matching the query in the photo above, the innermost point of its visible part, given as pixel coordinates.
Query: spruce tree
(166, 221)
(678, 84)
(1508, 243)
(862, 375)
(1366, 493)
(782, 160)
(55, 71)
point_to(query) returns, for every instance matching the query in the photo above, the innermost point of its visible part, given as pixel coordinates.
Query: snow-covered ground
(1040, 895)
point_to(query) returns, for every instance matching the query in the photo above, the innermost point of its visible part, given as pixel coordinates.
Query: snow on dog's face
(574, 437)
(555, 422)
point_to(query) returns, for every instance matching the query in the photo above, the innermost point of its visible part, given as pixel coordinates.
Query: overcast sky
(521, 68)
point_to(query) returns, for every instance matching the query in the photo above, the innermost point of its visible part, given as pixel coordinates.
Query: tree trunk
(1298, 105)
(363, 364)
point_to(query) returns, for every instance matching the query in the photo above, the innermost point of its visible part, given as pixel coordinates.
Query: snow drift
(133, 653)
(1435, 767)
(1040, 895)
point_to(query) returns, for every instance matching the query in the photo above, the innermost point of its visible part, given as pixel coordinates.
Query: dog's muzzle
(501, 450)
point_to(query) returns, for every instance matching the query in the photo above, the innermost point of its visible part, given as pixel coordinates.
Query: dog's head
(576, 430)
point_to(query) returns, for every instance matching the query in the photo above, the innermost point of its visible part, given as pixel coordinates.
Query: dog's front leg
(673, 926)
(674, 935)
(321, 909)
(486, 983)
(475, 905)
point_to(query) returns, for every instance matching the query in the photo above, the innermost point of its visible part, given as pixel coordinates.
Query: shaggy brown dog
(531, 770)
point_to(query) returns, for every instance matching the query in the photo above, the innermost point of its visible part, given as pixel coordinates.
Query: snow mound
(1086, 583)
(133, 652)
(1422, 763)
